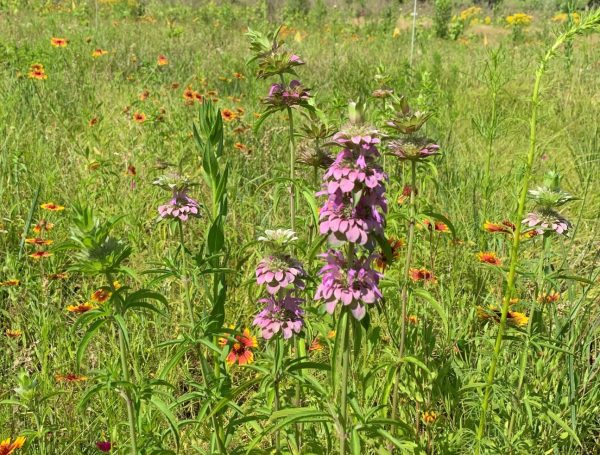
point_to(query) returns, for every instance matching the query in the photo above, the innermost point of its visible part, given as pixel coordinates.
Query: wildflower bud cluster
(354, 212)
(283, 277)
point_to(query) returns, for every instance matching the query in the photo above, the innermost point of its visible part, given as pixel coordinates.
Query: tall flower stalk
(590, 23)
(546, 221)
(412, 149)
(282, 317)
(353, 214)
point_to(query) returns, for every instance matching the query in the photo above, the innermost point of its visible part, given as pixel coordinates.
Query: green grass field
(123, 331)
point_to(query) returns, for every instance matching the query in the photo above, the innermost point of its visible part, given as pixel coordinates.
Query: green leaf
(162, 407)
(443, 317)
(92, 329)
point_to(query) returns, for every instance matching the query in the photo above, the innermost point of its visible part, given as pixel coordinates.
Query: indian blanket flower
(513, 317)
(228, 115)
(43, 225)
(381, 261)
(422, 274)
(429, 417)
(8, 448)
(548, 220)
(59, 42)
(40, 255)
(241, 349)
(101, 296)
(52, 207)
(489, 257)
(99, 52)
(70, 377)
(38, 241)
(550, 297)
(415, 149)
(10, 283)
(162, 60)
(437, 226)
(139, 117)
(37, 71)
(505, 227)
(80, 308)
(13, 333)
(354, 284)
(280, 314)
(279, 272)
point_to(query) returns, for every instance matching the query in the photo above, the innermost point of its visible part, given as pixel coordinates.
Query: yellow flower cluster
(467, 14)
(561, 18)
(519, 20)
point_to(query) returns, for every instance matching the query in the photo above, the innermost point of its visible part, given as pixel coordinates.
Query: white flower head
(278, 237)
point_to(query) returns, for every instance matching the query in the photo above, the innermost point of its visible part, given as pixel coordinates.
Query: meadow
(226, 229)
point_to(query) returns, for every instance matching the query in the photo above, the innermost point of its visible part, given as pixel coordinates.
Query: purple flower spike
(180, 207)
(417, 150)
(354, 285)
(548, 220)
(280, 272)
(283, 315)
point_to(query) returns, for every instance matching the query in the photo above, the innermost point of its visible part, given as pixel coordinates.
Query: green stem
(344, 388)
(125, 372)
(514, 253)
(292, 171)
(184, 276)
(525, 351)
(277, 404)
(405, 278)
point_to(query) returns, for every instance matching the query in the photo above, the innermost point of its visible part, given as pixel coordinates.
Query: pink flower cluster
(354, 212)
(354, 172)
(292, 95)
(283, 276)
(353, 284)
(279, 273)
(282, 314)
(180, 207)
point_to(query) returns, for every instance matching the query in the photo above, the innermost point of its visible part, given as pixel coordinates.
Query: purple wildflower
(352, 284)
(104, 446)
(180, 207)
(280, 272)
(282, 314)
(291, 95)
(416, 150)
(548, 220)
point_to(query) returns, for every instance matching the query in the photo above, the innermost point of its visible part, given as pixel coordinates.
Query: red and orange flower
(241, 349)
(98, 52)
(13, 333)
(228, 115)
(37, 71)
(162, 60)
(489, 257)
(139, 117)
(59, 42)
(43, 225)
(101, 296)
(437, 226)
(52, 207)
(40, 255)
(80, 308)
(8, 448)
(38, 241)
(70, 377)
(382, 262)
(422, 274)
(10, 283)
(505, 227)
